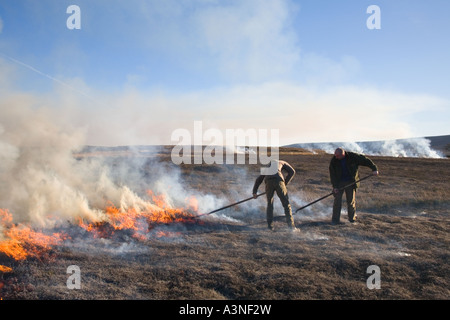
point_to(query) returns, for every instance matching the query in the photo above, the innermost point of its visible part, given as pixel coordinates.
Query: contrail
(48, 76)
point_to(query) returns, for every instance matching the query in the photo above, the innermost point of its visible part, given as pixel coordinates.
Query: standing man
(343, 171)
(277, 183)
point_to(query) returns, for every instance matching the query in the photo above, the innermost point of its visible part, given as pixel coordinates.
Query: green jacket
(354, 160)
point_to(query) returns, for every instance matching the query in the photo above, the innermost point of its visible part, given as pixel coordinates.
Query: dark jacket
(354, 160)
(282, 166)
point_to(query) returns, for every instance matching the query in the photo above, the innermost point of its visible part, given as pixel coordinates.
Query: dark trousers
(350, 195)
(278, 186)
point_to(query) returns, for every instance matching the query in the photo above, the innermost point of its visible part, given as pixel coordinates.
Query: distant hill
(425, 147)
(441, 143)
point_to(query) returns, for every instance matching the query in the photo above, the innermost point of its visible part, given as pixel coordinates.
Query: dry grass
(403, 228)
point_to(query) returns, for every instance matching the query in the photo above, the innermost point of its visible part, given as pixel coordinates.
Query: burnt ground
(403, 228)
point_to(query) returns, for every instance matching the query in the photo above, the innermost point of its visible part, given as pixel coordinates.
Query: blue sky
(138, 70)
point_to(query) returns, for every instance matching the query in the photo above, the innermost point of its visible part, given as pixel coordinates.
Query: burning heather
(46, 187)
(21, 241)
(62, 205)
(139, 221)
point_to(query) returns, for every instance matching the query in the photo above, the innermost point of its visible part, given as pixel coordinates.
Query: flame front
(20, 241)
(141, 221)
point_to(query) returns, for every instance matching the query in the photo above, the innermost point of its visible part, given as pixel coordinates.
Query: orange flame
(192, 203)
(20, 241)
(5, 269)
(160, 200)
(141, 221)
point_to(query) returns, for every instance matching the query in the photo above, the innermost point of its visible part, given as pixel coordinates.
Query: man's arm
(366, 162)
(290, 172)
(258, 182)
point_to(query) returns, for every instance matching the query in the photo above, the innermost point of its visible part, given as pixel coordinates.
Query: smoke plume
(415, 148)
(41, 178)
(44, 182)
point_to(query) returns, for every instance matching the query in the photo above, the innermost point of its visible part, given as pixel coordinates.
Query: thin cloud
(255, 49)
(224, 40)
(300, 113)
(248, 40)
(58, 81)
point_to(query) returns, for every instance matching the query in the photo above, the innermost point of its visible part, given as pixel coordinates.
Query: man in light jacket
(277, 183)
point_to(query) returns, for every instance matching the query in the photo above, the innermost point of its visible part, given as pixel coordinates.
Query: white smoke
(42, 181)
(47, 177)
(41, 178)
(36, 161)
(414, 148)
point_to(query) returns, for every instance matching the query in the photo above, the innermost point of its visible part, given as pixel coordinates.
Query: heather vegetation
(403, 228)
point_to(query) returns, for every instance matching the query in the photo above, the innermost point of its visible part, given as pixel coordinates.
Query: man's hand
(255, 196)
(375, 173)
(335, 190)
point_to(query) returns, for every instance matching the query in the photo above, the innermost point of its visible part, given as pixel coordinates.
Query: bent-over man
(277, 183)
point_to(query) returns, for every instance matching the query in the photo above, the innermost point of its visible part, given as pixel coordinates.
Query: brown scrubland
(403, 228)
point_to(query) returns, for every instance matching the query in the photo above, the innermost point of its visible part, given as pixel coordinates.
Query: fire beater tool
(230, 205)
(250, 198)
(331, 193)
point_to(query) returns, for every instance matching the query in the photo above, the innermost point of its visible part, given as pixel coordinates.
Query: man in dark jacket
(277, 183)
(343, 171)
